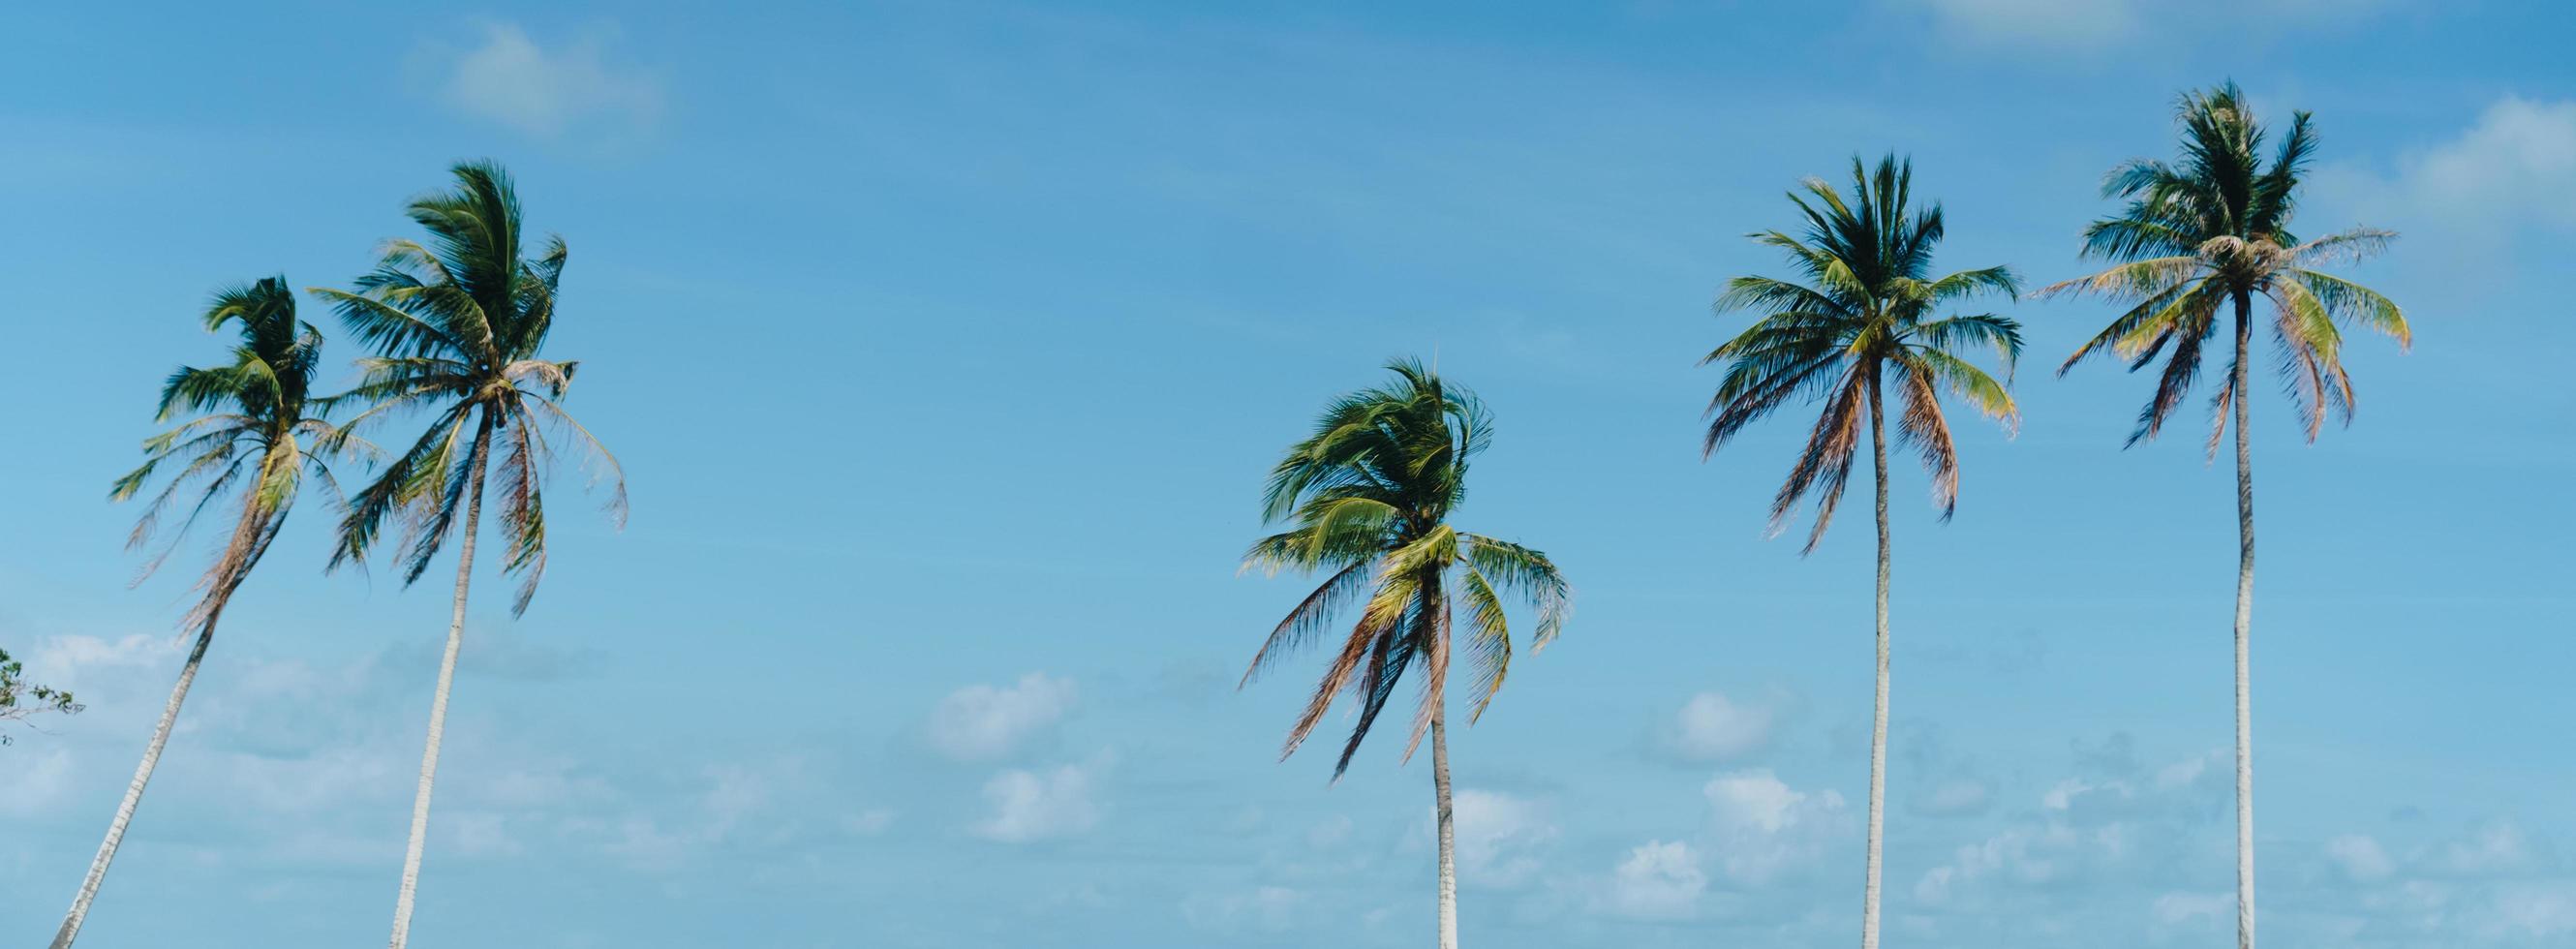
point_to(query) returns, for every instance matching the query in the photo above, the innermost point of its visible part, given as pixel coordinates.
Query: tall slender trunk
(2244, 630)
(1439, 699)
(1878, 716)
(1448, 837)
(446, 677)
(239, 555)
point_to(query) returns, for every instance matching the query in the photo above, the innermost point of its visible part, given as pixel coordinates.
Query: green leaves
(1369, 495)
(249, 414)
(2212, 227)
(1868, 309)
(21, 699)
(456, 321)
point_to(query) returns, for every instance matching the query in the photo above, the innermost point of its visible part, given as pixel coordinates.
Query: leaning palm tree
(1867, 317)
(1370, 494)
(457, 325)
(2213, 231)
(251, 442)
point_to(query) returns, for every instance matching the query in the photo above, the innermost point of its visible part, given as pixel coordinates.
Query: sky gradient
(946, 346)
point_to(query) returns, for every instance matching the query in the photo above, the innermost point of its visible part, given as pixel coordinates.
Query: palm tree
(1865, 319)
(1370, 494)
(2213, 230)
(251, 441)
(457, 325)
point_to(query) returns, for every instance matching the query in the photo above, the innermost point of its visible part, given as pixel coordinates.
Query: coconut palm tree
(2212, 231)
(457, 325)
(1369, 495)
(251, 443)
(1868, 317)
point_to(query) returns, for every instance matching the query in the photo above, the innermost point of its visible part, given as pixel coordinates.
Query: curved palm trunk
(1878, 717)
(2244, 629)
(247, 544)
(438, 702)
(133, 795)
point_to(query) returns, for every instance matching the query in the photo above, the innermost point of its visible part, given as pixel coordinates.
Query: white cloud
(984, 723)
(1956, 796)
(2360, 858)
(2513, 168)
(2040, 21)
(1712, 727)
(36, 787)
(1755, 799)
(2067, 25)
(2180, 908)
(2534, 910)
(1498, 835)
(1657, 881)
(2520, 159)
(1764, 827)
(2496, 849)
(511, 80)
(869, 822)
(64, 662)
(2465, 204)
(2117, 821)
(1033, 805)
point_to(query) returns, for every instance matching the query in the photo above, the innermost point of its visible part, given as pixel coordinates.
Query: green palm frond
(1824, 465)
(1368, 496)
(2351, 302)
(2214, 227)
(1528, 574)
(457, 320)
(244, 445)
(1491, 640)
(1871, 310)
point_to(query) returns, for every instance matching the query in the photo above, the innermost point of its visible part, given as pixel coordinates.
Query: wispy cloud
(2095, 24)
(1499, 836)
(988, 722)
(2511, 169)
(1658, 880)
(1029, 805)
(1765, 828)
(549, 92)
(1713, 727)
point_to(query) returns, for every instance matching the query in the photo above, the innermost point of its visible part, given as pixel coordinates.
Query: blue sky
(946, 345)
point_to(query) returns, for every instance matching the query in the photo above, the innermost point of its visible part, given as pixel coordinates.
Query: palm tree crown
(2212, 228)
(1370, 494)
(457, 324)
(1869, 309)
(251, 431)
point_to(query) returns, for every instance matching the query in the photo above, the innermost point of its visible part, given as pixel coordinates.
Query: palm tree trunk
(2244, 629)
(438, 702)
(238, 557)
(133, 795)
(1878, 717)
(1448, 836)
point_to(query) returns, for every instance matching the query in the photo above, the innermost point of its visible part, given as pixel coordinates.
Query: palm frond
(1491, 642)
(1525, 573)
(1824, 466)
